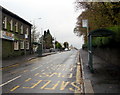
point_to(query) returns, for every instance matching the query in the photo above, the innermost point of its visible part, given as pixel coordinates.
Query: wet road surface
(51, 74)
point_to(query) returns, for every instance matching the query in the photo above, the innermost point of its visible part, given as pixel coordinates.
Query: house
(15, 34)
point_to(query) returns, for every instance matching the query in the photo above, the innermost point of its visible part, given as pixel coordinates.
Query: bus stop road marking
(15, 88)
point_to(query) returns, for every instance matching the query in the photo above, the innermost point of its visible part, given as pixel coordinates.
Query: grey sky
(58, 16)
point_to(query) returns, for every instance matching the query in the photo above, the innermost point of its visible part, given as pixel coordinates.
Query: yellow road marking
(63, 85)
(55, 85)
(59, 74)
(14, 72)
(9, 66)
(71, 69)
(53, 74)
(36, 84)
(15, 88)
(27, 79)
(25, 71)
(71, 75)
(49, 81)
(77, 87)
(36, 74)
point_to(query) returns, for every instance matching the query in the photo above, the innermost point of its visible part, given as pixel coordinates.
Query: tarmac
(105, 79)
(11, 61)
(106, 76)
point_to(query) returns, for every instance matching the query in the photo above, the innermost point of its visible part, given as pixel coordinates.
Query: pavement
(106, 76)
(21, 59)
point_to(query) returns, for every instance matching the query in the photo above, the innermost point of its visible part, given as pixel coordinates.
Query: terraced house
(15, 35)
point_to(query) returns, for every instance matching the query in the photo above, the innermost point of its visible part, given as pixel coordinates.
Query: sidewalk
(106, 77)
(12, 61)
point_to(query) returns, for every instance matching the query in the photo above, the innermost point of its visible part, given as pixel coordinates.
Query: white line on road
(35, 68)
(10, 81)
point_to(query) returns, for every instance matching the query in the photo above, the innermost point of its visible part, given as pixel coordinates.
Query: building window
(16, 27)
(21, 29)
(27, 31)
(11, 24)
(27, 45)
(5, 22)
(22, 45)
(16, 45)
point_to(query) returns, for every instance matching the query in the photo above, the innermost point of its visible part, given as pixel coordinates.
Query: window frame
(27, 45)
(4, 22)
(16, 26)
(21, 29)
(27, 31)
(11, 24)
(22, 45)
(16, 45)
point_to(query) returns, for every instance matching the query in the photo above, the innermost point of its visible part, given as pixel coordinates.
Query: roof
(15, 16)
(101, 33)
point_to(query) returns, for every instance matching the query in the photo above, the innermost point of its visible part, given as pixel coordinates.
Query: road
(51, 74)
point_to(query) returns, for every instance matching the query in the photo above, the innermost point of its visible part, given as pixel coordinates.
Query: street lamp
(41, 37)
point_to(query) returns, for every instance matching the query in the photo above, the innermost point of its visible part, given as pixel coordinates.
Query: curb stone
(87, 85)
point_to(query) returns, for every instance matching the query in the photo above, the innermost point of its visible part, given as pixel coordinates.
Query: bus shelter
(95, 33)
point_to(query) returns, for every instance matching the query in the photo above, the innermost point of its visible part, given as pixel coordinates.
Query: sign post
(89, 40)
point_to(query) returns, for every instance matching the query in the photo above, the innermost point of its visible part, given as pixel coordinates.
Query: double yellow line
(3, 68)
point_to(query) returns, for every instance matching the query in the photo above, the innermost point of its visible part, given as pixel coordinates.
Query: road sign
(84, 23)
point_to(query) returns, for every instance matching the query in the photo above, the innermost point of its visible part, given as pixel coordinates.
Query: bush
(108, 41)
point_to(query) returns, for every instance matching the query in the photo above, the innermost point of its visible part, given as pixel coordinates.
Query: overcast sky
(58, 16)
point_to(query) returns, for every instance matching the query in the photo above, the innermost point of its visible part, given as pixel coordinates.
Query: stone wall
(110, 55)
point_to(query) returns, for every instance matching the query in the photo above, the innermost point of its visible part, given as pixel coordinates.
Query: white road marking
(10, 81)
(42, 70)
(35, 68)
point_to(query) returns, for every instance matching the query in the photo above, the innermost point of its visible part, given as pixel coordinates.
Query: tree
(34, 37)
(99, 15)
(34, 34)
(58, 45)
(66, 44)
